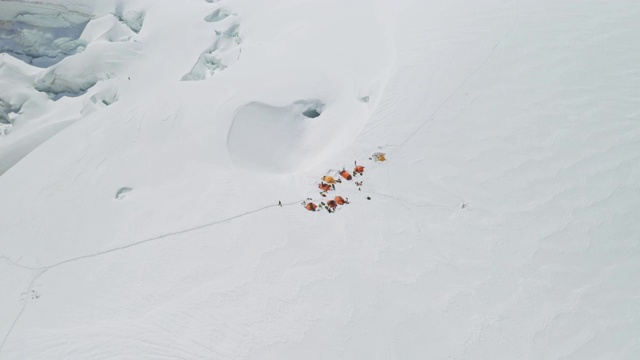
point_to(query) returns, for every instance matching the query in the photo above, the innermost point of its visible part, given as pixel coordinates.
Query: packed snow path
(39, 271)
(466, 79)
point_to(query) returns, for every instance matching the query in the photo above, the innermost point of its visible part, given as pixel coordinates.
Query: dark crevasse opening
(312, 113)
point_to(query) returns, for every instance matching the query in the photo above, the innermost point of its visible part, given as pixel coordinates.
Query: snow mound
(274, 139)
(122, 193)
(105, 97)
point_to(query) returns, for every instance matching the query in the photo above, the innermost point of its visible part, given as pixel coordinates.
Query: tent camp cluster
(328, 183)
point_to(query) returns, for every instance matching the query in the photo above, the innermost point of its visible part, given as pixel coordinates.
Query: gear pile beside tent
(328, 183)
(378, 157)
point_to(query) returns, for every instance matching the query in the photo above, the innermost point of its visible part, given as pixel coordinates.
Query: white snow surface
(141, 169)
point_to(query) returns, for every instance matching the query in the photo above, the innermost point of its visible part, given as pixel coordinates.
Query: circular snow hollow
(273, 139)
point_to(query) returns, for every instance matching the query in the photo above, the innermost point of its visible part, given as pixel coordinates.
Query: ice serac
(43, 83)
(39, 33)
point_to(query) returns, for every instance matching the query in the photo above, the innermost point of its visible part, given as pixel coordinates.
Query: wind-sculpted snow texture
(141, 216)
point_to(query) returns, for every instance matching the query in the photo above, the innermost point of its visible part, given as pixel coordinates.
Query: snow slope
(140, 177)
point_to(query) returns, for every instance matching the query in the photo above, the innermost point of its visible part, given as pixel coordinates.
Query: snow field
(140, 217)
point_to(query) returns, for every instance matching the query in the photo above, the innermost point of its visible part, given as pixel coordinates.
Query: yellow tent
(329, 179)
(379, 156)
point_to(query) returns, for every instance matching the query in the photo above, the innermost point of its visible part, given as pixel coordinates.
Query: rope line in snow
(464, 82)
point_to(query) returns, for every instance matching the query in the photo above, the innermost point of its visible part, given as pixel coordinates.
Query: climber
(332, 204)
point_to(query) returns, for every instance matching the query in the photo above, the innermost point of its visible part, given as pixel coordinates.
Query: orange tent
(340, 200)
(329, 179)
(359, 169)
(332, 204)
(324, 187)
(345, 174)
(311, 207)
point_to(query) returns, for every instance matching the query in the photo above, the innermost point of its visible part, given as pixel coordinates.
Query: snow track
(455, 92)
(39, 271)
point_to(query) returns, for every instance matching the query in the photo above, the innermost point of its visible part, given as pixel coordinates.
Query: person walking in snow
(279, 203)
